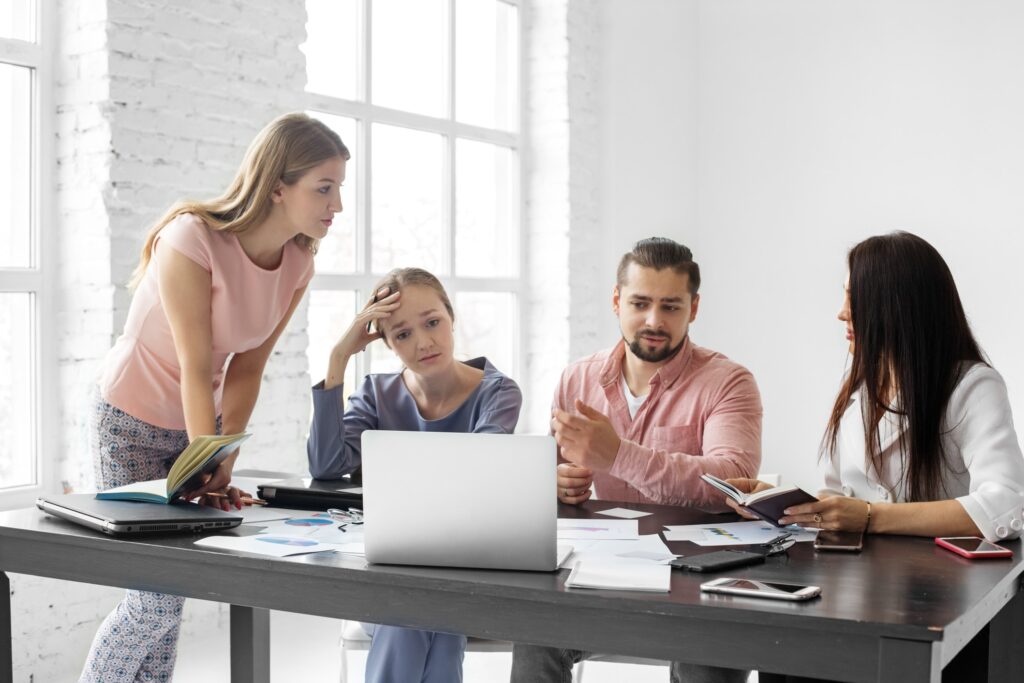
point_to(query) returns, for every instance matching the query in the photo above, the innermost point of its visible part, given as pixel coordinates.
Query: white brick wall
(564, 243)
(156, 100)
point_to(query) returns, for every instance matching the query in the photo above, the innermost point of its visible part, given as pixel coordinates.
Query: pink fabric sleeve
(558, 403)
(731, 445)
(188, 235)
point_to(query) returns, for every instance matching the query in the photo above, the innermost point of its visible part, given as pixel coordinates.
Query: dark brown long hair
(910, 334)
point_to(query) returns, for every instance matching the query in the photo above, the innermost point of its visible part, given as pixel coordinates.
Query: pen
(245, 499)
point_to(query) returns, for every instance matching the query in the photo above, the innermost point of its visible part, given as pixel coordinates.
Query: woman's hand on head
(360, 332)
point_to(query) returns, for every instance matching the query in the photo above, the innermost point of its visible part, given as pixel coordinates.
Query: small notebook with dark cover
(768, 504)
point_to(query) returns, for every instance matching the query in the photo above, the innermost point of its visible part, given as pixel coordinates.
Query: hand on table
(219, 482)
(574, 483)
(835, 513)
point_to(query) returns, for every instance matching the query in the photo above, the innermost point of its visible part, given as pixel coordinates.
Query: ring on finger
(817, 518)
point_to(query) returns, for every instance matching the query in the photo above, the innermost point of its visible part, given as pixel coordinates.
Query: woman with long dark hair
(921, 438)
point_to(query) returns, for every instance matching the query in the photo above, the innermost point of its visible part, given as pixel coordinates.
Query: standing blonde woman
(217, 280)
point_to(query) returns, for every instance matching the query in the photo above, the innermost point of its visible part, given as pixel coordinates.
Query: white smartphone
(772, 590)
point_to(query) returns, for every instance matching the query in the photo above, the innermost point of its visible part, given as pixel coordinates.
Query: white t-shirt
(632, 402)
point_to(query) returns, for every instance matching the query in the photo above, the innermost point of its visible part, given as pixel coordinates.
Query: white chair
(355, 639)
(577, 675)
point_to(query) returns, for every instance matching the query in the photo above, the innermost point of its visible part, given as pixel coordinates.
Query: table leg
(1006, 633)
(250, 645)
(909, 661)
(6, 654)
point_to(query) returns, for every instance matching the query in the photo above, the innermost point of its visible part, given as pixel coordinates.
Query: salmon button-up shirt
(701, 415)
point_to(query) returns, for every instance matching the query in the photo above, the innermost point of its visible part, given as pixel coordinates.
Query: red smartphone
(973, 547)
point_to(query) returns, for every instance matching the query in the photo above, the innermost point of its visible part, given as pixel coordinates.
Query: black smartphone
(716, 561)
(848, 541)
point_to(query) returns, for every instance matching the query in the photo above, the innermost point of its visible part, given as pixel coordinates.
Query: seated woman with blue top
(412, 314)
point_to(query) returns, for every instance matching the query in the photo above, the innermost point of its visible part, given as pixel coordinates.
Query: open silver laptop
(461, 500)
(117, 517)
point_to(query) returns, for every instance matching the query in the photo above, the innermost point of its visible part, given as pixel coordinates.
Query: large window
(24, 295)
(425, 93)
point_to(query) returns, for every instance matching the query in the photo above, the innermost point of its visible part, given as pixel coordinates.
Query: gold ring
(817, 518)
(566, 492)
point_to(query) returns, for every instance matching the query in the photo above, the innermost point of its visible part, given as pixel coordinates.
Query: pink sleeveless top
(141, 375)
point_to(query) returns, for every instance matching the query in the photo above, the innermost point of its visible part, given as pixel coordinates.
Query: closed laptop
(121, 517)
(460, 500)
(316, 494)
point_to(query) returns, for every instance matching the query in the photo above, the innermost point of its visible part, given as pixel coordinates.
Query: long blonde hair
(283, 151)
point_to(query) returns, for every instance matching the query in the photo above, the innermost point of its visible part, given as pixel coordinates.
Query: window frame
(366, 114)
(38, 278)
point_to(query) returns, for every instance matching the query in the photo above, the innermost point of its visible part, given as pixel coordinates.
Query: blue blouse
(334, 447)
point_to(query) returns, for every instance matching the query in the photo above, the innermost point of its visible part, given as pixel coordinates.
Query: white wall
(819, 124)
(648, 180)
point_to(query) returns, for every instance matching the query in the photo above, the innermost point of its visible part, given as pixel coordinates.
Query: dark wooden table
(897, 613)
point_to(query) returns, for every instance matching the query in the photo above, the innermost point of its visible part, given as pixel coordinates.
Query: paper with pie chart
(272, 545)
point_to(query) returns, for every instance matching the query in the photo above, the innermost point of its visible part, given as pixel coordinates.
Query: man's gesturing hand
(586, 438)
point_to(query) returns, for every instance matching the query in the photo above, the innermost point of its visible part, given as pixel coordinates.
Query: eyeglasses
(778, 545)
(353, 516)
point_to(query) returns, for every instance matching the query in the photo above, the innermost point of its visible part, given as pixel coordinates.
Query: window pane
(330, 313)
(338, 250)
(486, 63)
(409, 55)
(17, 393)
(332, 47)
(382, 359)
(484, 326)
(15, 166)
(486, 216)
(16, 19)
(407, 210)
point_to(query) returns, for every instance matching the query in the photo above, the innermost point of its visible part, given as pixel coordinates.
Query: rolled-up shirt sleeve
(983, 430)
(731, 447)
(334, 444)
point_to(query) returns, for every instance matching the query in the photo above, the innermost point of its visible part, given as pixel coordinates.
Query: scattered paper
(253, 514)
(265, 544)
(661, 558)
(597, 529)
(621, 575)
(600, 551)
(734, 533)
(624, 513)
(316, 525)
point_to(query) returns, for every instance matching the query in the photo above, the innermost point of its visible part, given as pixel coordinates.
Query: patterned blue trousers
(137, 641)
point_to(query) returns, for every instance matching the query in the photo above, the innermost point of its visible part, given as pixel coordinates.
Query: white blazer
(985, 467)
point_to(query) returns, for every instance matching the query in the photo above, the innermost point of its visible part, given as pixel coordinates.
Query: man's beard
(653, 356)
